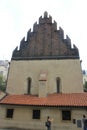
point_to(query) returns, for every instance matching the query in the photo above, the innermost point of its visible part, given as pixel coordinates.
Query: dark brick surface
(45, 41)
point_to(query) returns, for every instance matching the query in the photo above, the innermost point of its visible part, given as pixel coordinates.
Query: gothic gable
(45, 42)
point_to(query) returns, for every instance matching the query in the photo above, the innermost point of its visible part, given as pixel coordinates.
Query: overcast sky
(18, 16)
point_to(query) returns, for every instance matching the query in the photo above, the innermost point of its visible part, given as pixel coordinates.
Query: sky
(18, 16)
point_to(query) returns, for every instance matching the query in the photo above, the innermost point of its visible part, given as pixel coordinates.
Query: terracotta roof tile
(73, 99)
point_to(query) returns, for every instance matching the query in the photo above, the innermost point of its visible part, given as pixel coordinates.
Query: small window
(9, 113)
(74, 121)
(58, 84)
(36, 114)
(66, 115)
(29, 85)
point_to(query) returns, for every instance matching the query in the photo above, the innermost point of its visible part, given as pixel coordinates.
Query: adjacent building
(45, 79)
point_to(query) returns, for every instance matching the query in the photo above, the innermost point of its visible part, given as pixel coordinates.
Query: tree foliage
(2, 84)
(85, 86)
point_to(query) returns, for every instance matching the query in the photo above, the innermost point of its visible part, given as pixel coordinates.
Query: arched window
(29, 80)
(58, 84)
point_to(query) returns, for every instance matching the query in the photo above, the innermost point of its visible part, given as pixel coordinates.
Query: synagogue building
(44, 79)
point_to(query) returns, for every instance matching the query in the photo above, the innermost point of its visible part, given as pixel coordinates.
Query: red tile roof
(73, 99)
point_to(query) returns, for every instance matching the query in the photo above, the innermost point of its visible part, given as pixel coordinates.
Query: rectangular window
(66, 115)
(9, 113)
(36, 114)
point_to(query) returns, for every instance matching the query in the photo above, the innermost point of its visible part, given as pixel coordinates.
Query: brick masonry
(45, 41)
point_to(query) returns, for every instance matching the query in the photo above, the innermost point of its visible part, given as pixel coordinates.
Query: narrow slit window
(58, 84)
(29, 85)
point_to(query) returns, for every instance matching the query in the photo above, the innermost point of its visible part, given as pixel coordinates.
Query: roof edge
(46, 58)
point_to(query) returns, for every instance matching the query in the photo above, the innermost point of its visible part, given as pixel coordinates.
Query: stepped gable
(45, 42)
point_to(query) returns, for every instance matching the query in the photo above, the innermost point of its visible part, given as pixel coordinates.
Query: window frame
(66, 115)
(9, 113)
(36, 114)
